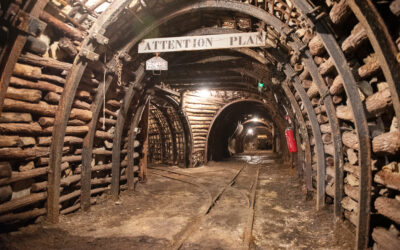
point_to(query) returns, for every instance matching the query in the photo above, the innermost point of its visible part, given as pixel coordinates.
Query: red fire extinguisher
(291, 142)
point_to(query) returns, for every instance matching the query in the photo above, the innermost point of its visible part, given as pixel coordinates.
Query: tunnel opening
(259, 135)
(229, 131)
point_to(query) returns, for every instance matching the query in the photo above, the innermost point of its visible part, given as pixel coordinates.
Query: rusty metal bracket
(99, 38)
(316, 14)
(125, 56)
(89, 55)
(23, 21)
(13, 49)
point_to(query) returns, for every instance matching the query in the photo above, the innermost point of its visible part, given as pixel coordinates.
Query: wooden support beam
(317, 135)
(116, 151)
(133, 131)
(145, 148)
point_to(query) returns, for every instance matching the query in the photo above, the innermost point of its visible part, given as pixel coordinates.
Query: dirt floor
(251, 202)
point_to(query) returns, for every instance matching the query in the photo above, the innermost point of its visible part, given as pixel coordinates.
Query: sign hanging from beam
(188, 43)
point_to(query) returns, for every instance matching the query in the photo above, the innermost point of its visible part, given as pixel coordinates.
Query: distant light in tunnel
(276, 98)
(250, 131)
(255, 119)
(204, 93)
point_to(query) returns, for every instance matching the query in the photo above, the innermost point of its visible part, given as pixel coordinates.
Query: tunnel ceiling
(74, 93)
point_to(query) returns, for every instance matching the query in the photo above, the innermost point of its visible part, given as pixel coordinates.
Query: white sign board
(156, 63)
(187, 43)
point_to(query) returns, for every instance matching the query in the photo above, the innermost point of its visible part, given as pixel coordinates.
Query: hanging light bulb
(204, 93)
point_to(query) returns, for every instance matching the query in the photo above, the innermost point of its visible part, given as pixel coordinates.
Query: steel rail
(174, 172)
(247, 238)
(177, 244)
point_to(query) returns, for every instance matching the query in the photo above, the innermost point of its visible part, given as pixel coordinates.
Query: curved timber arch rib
(382, 44)
(87, 147)
(224, 5)
(315, 127)
(132, 133)
(186, 128)
(134, 88)
(60, 122)
(266, 124)
(303, 131)
(169, 124)
(157, 117)
(360, 123)
(316, 132)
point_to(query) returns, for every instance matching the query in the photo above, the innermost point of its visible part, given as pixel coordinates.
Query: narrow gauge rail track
(193, 226)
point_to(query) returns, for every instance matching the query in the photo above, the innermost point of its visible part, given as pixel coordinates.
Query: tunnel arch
(221, 112)
(309, 15)
(186, 127)
(267, 128)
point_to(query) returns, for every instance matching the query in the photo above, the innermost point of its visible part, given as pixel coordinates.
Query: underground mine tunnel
(210, 124)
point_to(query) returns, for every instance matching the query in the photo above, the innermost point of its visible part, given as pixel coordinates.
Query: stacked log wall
(167, 143)
(179, 135)
(383, 129)
(200, 112)
(27, 120)
(163, 138)
(155, 142)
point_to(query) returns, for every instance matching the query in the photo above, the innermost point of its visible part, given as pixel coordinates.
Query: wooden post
(173, 135)
(131, 148)
(145, 149)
